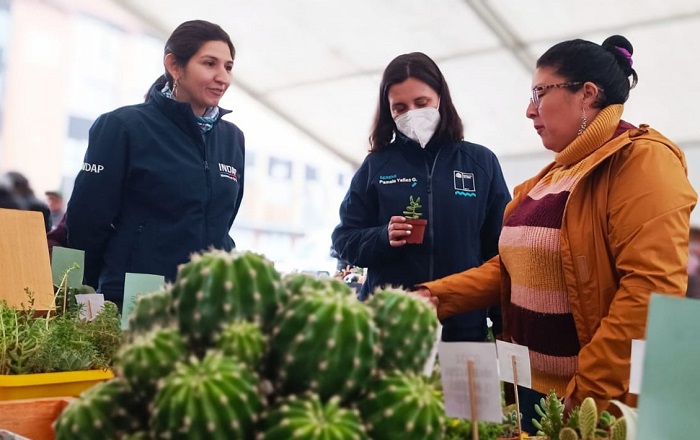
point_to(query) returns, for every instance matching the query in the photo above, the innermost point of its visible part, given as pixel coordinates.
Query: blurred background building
(306, 83)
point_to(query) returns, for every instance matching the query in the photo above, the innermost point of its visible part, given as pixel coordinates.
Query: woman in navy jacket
(417, 149)
(164, 178)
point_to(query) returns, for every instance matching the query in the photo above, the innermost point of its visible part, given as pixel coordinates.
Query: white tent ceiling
(318, 63)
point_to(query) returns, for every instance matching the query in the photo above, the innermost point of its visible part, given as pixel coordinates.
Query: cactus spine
(242, 340)
(619, 430)
(588, 418)
(218, 287)
(308, 418)
(568, 434)
(149, 358)
(324, 342)
(402, 403)
(407, 326)
(98, 413)
(153, 310)
(215, 398)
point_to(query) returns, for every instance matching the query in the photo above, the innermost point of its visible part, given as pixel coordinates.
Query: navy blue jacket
(463, 193)
(153, 189)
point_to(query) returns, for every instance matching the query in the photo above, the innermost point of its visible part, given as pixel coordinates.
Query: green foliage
(551, 411)
(460, 429)
(510, 424)
(58, 340)
(412, 208)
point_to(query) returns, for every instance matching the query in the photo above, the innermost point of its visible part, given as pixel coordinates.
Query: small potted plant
(511, 430)
(413, 218)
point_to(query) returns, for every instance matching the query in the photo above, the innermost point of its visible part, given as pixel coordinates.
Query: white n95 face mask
(419, 124)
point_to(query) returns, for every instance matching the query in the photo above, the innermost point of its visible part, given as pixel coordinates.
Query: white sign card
(454, 357)
(506, 351)
(92, 304)
(637, 365)
(432, 357)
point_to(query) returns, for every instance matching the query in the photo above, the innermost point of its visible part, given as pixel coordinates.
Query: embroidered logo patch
(391, 179)
(228, 172)
(464, 184)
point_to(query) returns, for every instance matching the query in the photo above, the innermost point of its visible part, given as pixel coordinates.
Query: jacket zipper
(431, 170)
(207, 177)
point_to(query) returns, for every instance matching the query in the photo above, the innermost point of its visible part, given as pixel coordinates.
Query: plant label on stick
(137, 284)
(63, 259)
(636, 365)
(506, 351)
(455, 357)
(92, 303)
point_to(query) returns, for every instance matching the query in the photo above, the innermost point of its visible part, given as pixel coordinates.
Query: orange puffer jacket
(624, 235)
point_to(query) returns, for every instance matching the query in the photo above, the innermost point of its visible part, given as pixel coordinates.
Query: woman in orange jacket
(587, 240)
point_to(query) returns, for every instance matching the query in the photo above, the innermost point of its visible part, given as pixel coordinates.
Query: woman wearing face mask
(162, 179)
(588, 239)
(417, 149)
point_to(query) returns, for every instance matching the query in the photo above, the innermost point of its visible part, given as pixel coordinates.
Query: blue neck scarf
(205, 122)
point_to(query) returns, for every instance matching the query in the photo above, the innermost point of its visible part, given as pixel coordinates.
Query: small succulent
(412, 208)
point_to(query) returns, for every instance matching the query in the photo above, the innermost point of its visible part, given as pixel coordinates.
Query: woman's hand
(425, 293)
(398, 230)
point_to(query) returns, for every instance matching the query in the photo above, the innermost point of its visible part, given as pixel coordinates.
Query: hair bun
(622, 49)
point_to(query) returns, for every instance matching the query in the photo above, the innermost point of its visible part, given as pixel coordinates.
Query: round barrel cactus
(218, 287)
(308, 418)
(151, 311)
(297, 283)
(324, 342)
(243, 340)
(149, 358)
(402, 403)
(407, 329)
(215, 398)
(99, 412)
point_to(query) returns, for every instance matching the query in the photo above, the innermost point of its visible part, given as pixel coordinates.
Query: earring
(175, 88)
(584, 121)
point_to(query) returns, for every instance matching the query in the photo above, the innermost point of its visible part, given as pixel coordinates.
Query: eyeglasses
(538, 92)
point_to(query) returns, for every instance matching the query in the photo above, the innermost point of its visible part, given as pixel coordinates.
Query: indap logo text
(92, 167)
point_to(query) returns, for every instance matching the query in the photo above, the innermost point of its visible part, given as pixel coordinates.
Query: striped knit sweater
(540, 314)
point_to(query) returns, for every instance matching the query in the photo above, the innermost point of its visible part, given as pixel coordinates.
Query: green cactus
(243, 340)
(218, 287)
(99, 412)
(588, 419)
(324, 342)
(308, 418)
(568, 434)
(403, 405)
(153, 310)
(618, 431)
(148, 359)
(551, 411)
(407, 326)
(215, 398)
(298, 283)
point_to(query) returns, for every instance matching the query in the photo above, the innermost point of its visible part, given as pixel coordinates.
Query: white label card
(92, 303)
(453, 358)
(637, 365)
(506, 352)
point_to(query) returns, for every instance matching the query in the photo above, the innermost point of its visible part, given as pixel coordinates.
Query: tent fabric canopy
(317, 64)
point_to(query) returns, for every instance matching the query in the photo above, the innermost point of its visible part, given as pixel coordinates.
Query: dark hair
(186, 40)
(608, 65)
(419, 66)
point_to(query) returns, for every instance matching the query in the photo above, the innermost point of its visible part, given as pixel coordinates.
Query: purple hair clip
(626, 53)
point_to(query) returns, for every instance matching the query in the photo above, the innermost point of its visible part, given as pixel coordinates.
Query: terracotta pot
(418, 230)
(32, 418)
